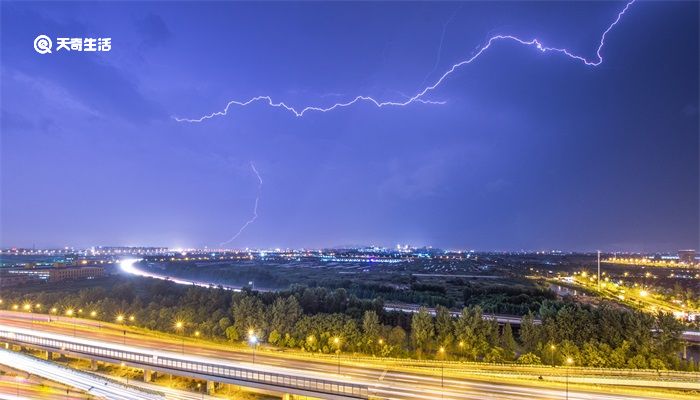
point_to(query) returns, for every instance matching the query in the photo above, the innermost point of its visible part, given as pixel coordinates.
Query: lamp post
(127, 373)
(552, 348)
(71, 313)
(179, 325)
(569, 361)
(336, 341)
(442, 371)
(253, 340)
(120, 319)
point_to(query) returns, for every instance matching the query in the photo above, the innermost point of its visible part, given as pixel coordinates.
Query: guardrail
(213, 370)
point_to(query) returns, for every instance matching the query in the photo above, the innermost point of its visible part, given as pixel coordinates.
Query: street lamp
(179, 326)
(552, 348)
(120, 319)
(253, 340)
(28, 308)
(441, 351)
(569, 361)
(71, 313)
(336, 341)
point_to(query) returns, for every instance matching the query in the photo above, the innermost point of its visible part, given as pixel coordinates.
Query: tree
(529, 333)
(370, 329)
(248, 313)
(529, 358)
(422, 331)
(232, 334)
(471, 332)
(444, 328)
(507, 342)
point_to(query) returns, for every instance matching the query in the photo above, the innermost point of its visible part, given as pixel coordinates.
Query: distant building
(686, 256)
(15, 277)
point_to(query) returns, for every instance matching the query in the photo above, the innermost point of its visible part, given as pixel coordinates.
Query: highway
(88, 383)
(387, 383)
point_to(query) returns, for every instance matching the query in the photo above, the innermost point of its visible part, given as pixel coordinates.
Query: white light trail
(255, 208)
(418, 98)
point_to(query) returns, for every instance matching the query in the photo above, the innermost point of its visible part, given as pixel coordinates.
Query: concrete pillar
(685, 351)
(93, 365)
(148, 375)
(211, 386)
(286, 396)
(49, 355)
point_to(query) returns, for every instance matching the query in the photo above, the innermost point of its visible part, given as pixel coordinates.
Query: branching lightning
(255, 208)
(418, 98)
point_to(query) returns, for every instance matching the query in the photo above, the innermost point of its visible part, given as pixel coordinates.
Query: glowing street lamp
(552, 348)
(441, 352)
(71, 313)
(569, 362)
(336, 342)
(120, 319)
(179, 327)
(253, 340)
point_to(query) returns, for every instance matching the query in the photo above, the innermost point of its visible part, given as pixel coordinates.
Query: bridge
(212, 370)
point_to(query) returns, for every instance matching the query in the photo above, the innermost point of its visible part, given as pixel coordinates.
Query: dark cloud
(154, 30)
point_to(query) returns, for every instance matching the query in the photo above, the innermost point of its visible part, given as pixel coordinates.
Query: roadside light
(15, 307)
(643, 293)
(131, 318)
(569, 360)
(37, 305)
(442, 350)
(27, 307)
(253, 339)
(381, 341)
(336, 340)
(69, 312)
(552, 347)
(251, 332)
(93, 314)
(179, 325)
(120, 318)
(196, 333)
(461, 344)
(54, 310)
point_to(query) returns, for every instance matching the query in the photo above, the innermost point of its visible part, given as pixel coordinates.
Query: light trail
(89, 383)
(128, 267)
(255, 208)
(418, 98)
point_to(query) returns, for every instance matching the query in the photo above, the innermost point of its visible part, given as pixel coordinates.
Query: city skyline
(528, 151)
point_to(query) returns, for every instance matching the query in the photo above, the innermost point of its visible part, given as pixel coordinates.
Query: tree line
(327, 321)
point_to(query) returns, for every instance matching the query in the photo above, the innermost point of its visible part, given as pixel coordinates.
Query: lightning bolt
(255, 208)
(417, 98)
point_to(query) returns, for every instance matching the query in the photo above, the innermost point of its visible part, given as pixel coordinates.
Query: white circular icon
(42, 44)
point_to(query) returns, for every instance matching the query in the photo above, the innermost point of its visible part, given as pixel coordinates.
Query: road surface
(384, 383)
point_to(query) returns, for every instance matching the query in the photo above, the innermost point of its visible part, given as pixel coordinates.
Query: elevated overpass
(212, 370)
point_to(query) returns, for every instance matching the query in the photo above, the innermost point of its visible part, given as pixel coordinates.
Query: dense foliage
(323, 320)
